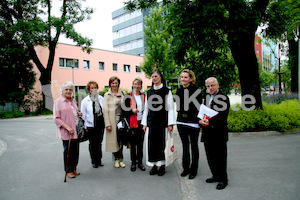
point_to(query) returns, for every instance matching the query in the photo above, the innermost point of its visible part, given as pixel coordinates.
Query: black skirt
(156, 143)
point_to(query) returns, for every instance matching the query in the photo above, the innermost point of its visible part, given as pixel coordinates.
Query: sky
(99, 27)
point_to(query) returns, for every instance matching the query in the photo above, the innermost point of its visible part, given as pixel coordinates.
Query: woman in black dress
(158, 119)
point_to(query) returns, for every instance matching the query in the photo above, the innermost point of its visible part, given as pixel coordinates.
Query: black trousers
(136, 145)
(95, 139)
(73, 155)
(189, 138)
(216, 153)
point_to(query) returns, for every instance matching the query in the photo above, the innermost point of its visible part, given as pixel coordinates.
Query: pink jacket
(63, 114)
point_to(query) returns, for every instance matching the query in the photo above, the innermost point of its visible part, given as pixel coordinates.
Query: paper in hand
(206, 112)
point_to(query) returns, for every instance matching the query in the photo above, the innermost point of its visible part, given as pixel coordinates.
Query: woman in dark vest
(158, 119)
(187, 122)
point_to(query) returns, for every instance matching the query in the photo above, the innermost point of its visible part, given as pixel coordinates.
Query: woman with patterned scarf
(92, 110)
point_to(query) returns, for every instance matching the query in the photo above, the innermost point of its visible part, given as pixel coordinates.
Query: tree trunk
(293, 64)
(242, 49)
(45, 78)
(241, 35)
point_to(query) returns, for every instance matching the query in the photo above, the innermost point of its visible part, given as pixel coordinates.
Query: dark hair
(161, 76)
(112, 79)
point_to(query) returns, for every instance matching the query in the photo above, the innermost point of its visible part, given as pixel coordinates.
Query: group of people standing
(150, 116)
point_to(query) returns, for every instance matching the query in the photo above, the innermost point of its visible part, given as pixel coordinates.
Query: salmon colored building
(99, 66)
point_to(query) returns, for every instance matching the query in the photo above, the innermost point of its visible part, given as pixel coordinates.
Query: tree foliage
(158, 44)
(16, 75)
(31, 23)
(281, 20)
(210, 27)
(266, 78)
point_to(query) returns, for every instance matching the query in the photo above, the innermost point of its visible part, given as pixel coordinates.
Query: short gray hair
(216, 80)
(66, 84)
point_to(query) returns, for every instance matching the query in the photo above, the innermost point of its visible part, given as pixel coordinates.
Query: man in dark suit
(215, 133)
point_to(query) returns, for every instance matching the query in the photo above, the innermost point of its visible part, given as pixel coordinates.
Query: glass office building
(128, 31)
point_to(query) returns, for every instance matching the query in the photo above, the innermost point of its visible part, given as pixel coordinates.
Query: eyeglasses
(208, 86)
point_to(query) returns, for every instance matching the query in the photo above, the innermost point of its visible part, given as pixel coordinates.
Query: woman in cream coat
(112, 114)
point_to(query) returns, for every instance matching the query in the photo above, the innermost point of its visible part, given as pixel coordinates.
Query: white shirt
(139, 106)
(87, 110)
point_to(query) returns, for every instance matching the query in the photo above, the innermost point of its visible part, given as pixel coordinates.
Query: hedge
(274, 117)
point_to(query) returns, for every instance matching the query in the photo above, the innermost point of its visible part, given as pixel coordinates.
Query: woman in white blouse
(92, 110)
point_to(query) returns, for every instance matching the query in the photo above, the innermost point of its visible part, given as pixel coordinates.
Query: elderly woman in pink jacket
(65, 114)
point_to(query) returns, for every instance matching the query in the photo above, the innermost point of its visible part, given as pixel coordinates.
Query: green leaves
(158, 44)
(275, 117)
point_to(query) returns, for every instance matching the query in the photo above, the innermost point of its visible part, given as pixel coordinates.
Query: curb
(264, 133)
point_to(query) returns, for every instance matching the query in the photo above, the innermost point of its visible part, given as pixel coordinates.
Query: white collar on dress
(157, 87)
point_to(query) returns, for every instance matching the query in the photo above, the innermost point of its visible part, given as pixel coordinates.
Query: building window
(128, 30)
(126, 16)
(101, 66)
(126, 68)
(68, 63)
(257, 51)
(130, 45)
(115, 67)
(86, 64)
(138, 69)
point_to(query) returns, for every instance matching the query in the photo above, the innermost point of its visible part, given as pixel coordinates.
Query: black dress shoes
(100, 164)
(221, 185)
(184, 173)
(211, 180)
(192, 176)
(95, 165)
(162, 170)
(133, 168)
(154, 170)
(141, 167)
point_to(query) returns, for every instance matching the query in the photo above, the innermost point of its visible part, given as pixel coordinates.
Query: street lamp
(72, 63)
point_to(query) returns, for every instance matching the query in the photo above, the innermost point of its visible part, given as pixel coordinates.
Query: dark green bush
(275, 117)
(11, 114)
(16, 114)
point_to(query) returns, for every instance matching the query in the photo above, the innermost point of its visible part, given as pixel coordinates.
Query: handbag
(170, 152)
(124, 131)
(82, 134)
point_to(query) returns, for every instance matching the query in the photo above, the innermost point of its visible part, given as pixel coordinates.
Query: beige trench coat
(110, 120)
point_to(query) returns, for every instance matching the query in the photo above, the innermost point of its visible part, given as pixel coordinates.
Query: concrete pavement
(260, 166)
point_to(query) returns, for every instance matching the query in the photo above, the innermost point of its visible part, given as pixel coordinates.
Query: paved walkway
(265, 165)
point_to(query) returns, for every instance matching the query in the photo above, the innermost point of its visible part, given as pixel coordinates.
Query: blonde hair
(138, 79)
(191, 73)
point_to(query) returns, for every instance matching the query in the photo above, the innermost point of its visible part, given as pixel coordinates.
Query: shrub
(278, 98)
(275, 117)
(11, 114)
